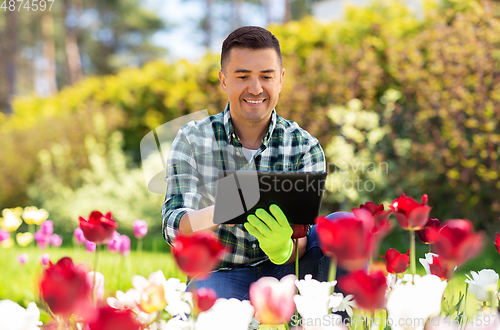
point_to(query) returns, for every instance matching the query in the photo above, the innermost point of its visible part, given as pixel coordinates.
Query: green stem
(430, 248)
(158, 319)
(333, 270)
(465, 300)
(139, 245)
(412, 253)
(96, 260)
(296, 272)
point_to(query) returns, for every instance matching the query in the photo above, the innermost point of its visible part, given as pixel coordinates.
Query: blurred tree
(45, 50)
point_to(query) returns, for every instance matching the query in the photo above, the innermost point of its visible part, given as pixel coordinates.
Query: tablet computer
(240, 193)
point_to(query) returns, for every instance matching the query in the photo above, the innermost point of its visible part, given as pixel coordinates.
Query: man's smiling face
(252, 80)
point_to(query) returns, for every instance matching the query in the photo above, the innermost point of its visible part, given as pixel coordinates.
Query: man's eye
(242, 77)
(268, 77)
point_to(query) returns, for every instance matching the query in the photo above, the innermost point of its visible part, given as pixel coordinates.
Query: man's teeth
(254, 102)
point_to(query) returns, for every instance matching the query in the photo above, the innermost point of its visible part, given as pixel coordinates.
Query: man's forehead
(236, 53)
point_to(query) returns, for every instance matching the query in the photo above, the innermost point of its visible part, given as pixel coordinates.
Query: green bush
(111, 183)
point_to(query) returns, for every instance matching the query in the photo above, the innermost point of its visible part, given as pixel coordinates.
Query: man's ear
(282, 78)
(222, 79)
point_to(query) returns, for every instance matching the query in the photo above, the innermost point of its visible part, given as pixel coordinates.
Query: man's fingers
(252, 230)
(259, 225)
(268, 219)
(279, 215)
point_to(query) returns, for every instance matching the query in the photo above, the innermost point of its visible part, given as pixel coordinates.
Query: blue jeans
(235, 283)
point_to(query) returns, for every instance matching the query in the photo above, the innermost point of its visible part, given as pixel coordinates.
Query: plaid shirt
(202, 148)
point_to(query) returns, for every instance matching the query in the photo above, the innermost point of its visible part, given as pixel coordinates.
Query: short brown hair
(253, 37)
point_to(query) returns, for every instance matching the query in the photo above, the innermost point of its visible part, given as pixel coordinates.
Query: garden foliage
(420, 94)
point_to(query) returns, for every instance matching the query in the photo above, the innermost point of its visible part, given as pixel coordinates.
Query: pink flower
(140, 228)
(4, 235)
(47, 227)
(78, 234)
(273, 299)
(56, 240)
(125, 245)
(42, 240)
(99, 284)
(44, 259)
(114, 243)
(90, 246)
(22, 258)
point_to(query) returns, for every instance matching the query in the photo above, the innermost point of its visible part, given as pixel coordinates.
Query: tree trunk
(49, 51)
(288, 11)
(73, 61)
(207, 24)
(10, 55)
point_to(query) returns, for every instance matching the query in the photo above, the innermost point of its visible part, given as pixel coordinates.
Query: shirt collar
(231, 134)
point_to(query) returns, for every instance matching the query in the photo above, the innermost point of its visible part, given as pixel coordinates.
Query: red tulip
(65, 289)
(109, 318)
(423, 234)
(368, 289)
(299, 231)
(497, 241)
(410, 214)
(373, 214)
(396, 262)
(377, 211)
(205, 299)
(98, 228)
(197, 254)
(456, 242)
(441, 268)
(347, 238)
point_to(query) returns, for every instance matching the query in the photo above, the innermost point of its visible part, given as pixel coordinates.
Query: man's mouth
(255, 101)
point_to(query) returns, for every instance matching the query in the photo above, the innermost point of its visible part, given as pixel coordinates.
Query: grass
(19, 282)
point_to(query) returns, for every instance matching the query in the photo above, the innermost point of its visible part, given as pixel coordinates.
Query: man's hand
(273, 233)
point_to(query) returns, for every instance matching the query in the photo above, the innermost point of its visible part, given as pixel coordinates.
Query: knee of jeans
(338, 215)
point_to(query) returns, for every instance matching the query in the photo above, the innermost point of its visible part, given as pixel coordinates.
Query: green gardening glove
(273, 233)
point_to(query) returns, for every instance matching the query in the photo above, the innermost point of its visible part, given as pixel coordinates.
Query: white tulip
(313, 288)
(14, 317)
(416, 302)
(347, 303)
(226, 314)
(483, 285)
(427, 261)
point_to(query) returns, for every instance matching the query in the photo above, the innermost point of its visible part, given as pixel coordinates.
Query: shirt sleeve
(313, 159)
(182, 181)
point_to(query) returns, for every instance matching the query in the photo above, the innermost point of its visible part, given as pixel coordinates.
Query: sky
(185, 40)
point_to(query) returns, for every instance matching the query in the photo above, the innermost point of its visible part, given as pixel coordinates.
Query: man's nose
(255, 87)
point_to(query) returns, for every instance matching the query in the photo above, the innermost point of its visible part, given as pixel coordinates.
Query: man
(248, 133)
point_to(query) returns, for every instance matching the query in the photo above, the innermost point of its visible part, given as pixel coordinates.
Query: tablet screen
(240, 193)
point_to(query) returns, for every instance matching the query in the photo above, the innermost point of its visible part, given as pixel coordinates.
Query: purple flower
(22, 258)
(44, 259)
(78, 234)
(42, 240)
(90, 246)
(125, 245)
(140, 228)
(4, 235)
(47, 227)
(56, 240)
(114, 243)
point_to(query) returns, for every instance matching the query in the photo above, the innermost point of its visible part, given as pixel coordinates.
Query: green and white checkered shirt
(202, 148)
